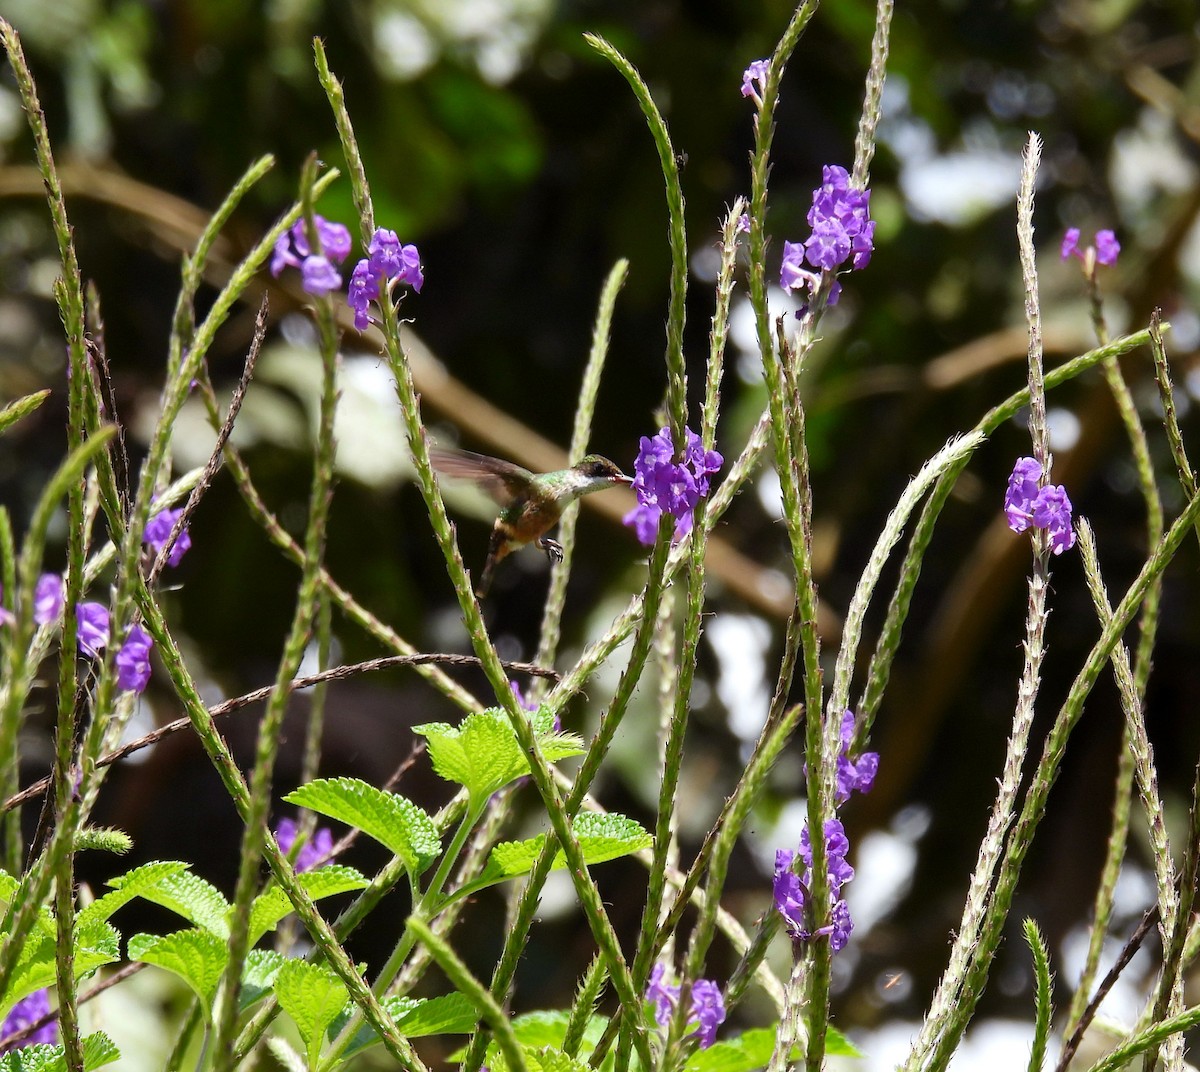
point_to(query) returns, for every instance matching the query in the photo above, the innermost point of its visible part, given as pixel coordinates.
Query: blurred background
(519, 163)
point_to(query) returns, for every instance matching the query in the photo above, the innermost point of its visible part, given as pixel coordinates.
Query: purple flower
(25, 1012)
(708, 1010)
(1104, 250)
(666, 487)
(387, 261)
(6, 616)
(293, 251)
(1022, 490)
(1107, 248)
(47, 598)
(319, 276)
(133, 660)
(854, 775)
(791, 892)
(158, 531)
(313, 853)
(1048, 507)
(743, 224)
(708, 1004)
(1052, 511)
(754, 79)
(841, 222)
(93, 627)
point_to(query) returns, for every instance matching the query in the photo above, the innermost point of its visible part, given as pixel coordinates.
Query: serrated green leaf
(601, 838)
(450, 1014)
(98, 1049)
(483, 754)
(539, 1030)
(258, 975)
(127, 887)
(273, 905)
(197, 956)
(544, 1059)
(752, 1050)
(96, 943)
(387, 817)
(22, 407)
(313, 997)
(199, 902)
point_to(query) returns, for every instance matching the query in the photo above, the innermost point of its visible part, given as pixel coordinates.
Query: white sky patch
(959, 187)
(1147, 161)
(1064, 428)
(739, 642)
(404, 47)
(742, 332)
(883, 869)
(770, 492)
(988, 1045)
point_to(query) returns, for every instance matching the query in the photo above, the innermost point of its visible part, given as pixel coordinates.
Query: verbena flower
(1049, 508)
(133, 660)
(316, 266)
(791, 891)
(388, 261)
(854, 775)
(754, 79)
(708, 1004)
(842, 230)
(93, 627)
(25, 1012)
(1104, 250)
(158, 531)
(664, 486)
(48, 595)
(743, 224)
(314, 853)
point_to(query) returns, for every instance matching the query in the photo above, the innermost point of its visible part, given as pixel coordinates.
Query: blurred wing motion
(503, 481)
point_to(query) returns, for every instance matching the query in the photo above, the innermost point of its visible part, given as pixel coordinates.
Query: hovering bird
(531, 503)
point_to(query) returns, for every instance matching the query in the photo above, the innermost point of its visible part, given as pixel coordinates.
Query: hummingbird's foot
(552, 548)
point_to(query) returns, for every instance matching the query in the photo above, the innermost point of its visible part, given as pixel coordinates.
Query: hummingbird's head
(599, 472)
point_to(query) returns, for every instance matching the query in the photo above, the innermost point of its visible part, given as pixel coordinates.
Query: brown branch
(337, 673)
(215, 459)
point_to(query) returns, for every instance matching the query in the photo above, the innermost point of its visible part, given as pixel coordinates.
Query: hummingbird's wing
(503, 481)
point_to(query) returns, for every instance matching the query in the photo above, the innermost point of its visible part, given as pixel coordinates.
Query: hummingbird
(531, 503)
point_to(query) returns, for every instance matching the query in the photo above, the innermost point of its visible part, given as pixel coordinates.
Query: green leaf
(450, 1014)
(197, 956)
(22, 407)
(258, 976)
(128, 886)
(273, 905)
(98, 1049)
(387, 817)
(546, 1059)
(547, 1029)
(601, 837)
(483, 754)
(313, 997)
(752, 1049)
(199, 902)
(96, 943)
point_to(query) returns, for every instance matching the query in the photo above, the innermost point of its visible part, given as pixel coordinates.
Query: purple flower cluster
(854, 775)
(1104, 250)
(842, 230)
(25, 1012)
(158, 531)
(1027, 503)
(791, 892)
(387, 263)
(94, 631)
(754, 79)
(708, 1004)
(664, 486)
(314, 853)
(317, 267)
